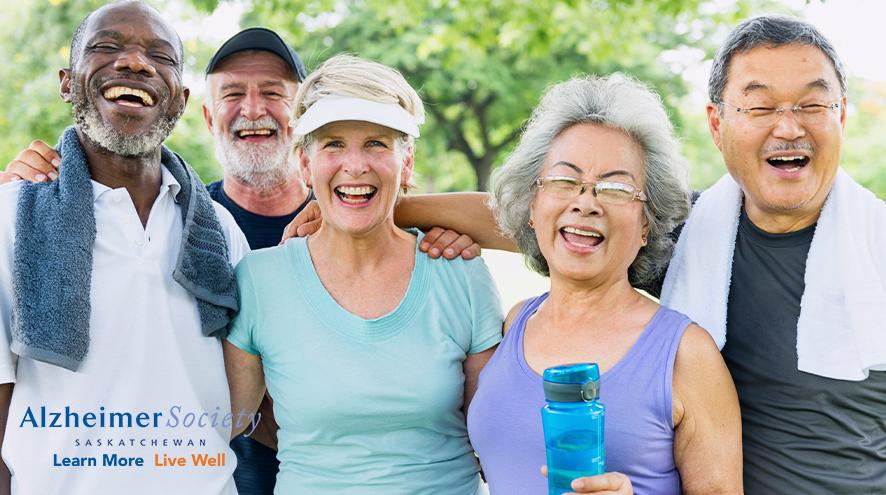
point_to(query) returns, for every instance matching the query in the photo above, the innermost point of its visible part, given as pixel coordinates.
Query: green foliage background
(480, 66)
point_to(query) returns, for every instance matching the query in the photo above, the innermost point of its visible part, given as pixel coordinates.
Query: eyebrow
(264, 85)
(819, 83)
(604, 175)
(118, 36)
(754, 86)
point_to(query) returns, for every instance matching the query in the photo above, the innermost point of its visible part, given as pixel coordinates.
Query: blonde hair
(355, 77)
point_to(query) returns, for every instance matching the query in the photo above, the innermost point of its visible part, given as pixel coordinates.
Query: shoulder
(9, 195)
(512, 315)
(698, 360)
(269, 262)
(8, 208)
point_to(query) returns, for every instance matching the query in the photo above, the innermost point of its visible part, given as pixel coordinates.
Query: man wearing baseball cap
(250, 84)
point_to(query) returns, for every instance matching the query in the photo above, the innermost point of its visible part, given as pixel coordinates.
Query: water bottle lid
(572, 383)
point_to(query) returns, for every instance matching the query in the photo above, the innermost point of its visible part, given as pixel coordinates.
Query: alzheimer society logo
(174, 437)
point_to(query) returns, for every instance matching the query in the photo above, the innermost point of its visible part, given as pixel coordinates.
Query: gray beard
(261, 166)
(89, 120)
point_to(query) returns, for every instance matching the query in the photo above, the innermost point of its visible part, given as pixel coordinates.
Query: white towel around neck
(841, 332)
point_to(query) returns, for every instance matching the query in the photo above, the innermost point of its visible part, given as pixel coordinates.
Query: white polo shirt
(147, 355)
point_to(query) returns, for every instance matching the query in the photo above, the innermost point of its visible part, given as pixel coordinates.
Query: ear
(186, 92)
(207, 117)
(64, 84)
(408, 164)
(843, 103)
(714, 124)
(304, 166)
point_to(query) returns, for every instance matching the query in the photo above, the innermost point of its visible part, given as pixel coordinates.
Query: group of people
(374, 368)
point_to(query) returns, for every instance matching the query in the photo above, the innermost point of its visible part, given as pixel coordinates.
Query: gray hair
(769, 31)
(617, 102)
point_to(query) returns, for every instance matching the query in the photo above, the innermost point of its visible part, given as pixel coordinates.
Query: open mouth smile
(788, 163)
(355, 195)
(255, 134)
(581, 238)
(128, 96)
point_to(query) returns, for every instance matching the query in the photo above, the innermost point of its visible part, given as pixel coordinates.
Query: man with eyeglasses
(781, 261)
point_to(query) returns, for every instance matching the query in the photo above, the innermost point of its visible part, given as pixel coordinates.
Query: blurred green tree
(482, 65)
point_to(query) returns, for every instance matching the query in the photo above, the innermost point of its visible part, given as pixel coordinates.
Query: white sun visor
(328, 110)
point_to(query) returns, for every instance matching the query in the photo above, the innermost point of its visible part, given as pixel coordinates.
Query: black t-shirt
(801, 433)
(260, 231)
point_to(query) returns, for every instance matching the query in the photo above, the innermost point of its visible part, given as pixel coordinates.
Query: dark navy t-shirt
(260, 231)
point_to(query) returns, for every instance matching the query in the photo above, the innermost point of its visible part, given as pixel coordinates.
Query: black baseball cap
(258, 38)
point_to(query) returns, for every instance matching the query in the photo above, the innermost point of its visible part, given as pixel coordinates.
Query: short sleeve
(241, 330)
(486, 313)
(8, 201)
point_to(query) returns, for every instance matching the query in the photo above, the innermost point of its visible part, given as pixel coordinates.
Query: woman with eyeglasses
(590, 197)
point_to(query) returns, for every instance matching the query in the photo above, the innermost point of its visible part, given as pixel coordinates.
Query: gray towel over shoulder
(52, 261)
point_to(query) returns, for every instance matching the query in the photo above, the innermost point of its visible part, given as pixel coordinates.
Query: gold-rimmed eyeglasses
(607, 192)
(810, 113)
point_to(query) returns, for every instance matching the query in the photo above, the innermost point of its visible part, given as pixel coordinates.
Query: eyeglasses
(611, 193)
(810, 114)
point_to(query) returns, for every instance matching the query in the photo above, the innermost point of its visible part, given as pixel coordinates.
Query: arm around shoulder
(464, 212)
(707, 437)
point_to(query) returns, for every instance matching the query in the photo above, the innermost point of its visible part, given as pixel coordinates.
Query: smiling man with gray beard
(116, 281)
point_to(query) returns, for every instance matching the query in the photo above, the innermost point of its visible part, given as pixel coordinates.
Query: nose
(253, 106)
(788, 127)
(587, 203)
(134, 61)
(355, 162)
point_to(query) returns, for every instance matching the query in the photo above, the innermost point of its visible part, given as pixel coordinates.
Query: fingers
(450, 244)
(47, 152)
(6, 177)
(603, 484)
(33, 166)
(305, 223)
(430, 239)
(309, 228)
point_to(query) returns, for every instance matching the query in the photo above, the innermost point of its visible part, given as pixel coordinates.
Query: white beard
(261, 166)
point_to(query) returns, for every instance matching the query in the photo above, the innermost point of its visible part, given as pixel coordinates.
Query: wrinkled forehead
(785, 68)
(131, 20)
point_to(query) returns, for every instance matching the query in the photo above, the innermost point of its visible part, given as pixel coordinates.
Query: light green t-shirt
(367, 406)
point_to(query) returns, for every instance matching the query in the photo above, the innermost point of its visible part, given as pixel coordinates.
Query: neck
(362, 253)
(140, 175)
(278, 200)
(587, 302)
(776, 222)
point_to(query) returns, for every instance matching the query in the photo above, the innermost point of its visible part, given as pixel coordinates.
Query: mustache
(790, 146)
(243, 124)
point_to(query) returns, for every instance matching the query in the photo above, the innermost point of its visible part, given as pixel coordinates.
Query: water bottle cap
(572, 383)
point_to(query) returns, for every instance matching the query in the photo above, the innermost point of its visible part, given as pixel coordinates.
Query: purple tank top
(504, 420)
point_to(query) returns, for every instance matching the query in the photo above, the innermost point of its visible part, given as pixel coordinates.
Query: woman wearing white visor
(370, 349)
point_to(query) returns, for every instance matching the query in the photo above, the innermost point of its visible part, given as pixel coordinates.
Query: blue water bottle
(573, 424)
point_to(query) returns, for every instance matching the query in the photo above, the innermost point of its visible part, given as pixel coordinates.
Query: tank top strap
(650, 362)
(662, 336)
(512, 341)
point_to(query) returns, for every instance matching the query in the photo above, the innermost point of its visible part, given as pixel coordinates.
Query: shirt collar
(167, 183)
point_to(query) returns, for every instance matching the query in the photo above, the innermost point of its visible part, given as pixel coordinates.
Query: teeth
(586, 233)
(117, 91)
(254, 132)
(355, 191)
(792, 169)
(786, 158)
